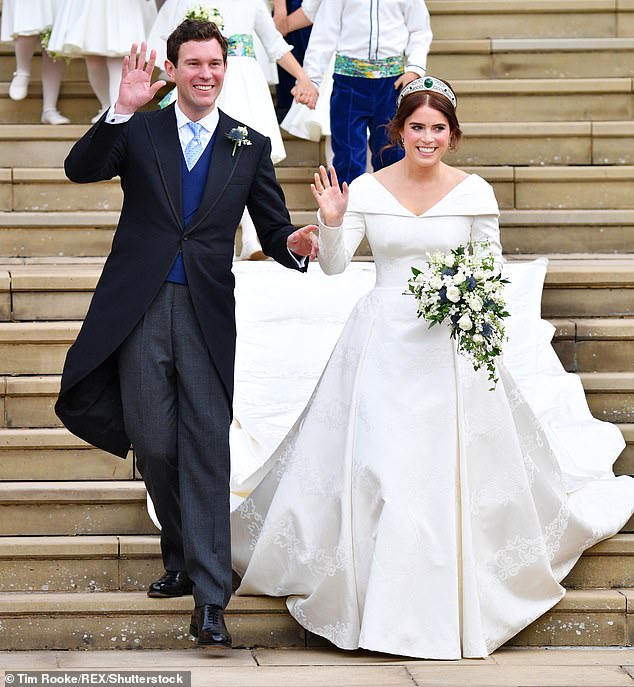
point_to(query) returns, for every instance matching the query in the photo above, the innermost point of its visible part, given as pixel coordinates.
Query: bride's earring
(401, 140)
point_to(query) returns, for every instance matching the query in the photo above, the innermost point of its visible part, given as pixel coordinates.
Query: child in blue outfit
(380, 46)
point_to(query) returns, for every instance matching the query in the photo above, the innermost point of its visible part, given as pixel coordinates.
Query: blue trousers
(356, 106)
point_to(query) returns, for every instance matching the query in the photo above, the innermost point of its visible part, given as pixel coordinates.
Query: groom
(153, 363)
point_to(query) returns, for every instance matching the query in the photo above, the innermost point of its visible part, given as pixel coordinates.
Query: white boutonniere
(239, 136)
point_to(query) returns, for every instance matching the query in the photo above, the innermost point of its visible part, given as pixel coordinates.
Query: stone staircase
(546, 99)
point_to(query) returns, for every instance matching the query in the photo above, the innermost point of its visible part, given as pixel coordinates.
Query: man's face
(199, 76)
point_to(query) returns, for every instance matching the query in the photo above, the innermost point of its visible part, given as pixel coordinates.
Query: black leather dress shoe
(208, 626)
(171, 584)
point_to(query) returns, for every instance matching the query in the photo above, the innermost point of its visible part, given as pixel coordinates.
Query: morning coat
(146, 154)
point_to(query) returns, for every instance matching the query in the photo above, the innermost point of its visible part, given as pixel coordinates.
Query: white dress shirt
(368, 30)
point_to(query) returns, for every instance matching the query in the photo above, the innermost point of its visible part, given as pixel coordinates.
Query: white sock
(51, 80)
(98, 76)
(114, 77)
(24, 48)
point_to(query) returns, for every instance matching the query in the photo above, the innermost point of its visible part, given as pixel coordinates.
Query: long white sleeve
(486, 229)
(337, 245)
(420, 36)
(323, 39)
(310, 7)
(271, 38)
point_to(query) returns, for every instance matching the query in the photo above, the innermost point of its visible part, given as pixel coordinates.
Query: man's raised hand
(136, 89)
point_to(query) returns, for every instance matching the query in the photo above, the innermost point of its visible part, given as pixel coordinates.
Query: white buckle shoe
(19, 86)
(53, 116)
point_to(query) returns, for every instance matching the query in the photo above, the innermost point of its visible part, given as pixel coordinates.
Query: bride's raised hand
(332, 200)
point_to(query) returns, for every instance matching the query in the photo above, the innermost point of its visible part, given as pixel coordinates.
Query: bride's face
(426, 135)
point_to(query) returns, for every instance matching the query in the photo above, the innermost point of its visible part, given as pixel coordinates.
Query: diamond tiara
(429, 83)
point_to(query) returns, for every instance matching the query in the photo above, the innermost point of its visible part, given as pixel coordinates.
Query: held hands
(304, 241)
(135, 89)
(332, 200)
(305, 92)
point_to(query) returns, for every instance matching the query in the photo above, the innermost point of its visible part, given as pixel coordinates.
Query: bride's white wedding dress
(410, 510)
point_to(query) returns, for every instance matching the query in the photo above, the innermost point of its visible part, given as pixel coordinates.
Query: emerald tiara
(429, 83)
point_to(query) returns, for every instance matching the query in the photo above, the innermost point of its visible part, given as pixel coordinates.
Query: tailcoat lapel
(163, 134)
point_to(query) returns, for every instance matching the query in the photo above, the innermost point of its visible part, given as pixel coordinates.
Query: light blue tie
(194, 149)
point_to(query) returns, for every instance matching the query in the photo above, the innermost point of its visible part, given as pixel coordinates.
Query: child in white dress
(101, 31)
(24, 23)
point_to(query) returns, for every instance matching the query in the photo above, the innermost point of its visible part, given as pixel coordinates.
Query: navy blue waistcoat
(192, 188)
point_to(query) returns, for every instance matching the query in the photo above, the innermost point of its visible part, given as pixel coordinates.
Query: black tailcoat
(146, 154)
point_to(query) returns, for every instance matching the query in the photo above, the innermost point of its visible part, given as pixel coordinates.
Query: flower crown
(429, 83)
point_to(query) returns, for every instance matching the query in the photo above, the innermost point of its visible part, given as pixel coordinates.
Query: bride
(410, 509)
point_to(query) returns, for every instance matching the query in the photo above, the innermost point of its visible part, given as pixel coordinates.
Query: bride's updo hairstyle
(434, 93)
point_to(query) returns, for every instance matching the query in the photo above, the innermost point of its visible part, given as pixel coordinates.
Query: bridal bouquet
(464, 289)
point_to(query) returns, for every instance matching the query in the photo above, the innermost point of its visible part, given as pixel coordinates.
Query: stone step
(34, 453)
(532, 58)
(584, 344)
(43, 145)
(76, 101)
(100, 620)
(35, 348)
(480, 100)
(63, 234)
(51, 292)
(48, 190)
(593, 286)
(471, 58)
(87, 563)
(595, 345)
(71, 508)
(110, 620)
(545, 143)
(589, 287)
(89, 234)
(574, 188)
(457, 19)
(543, 100)
(33, 445)
(610, 395)
(74, 70)
(40, 189)
(533, 188)
(566, 231)
(92, 563)
(484, 143)
(32, 441)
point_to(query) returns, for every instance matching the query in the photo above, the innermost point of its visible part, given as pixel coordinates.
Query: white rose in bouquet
(475, 303)
(465, 323)
(453, 294)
